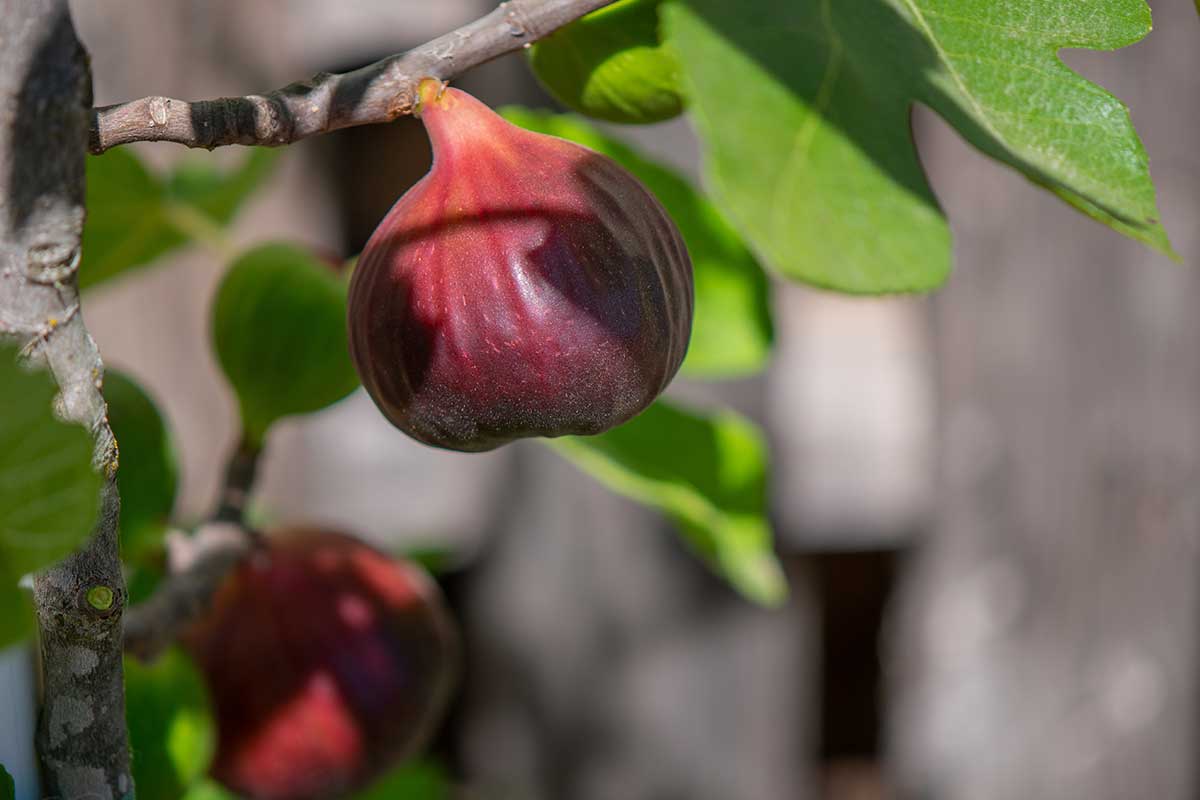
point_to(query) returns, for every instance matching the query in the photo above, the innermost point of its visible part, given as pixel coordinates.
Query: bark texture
(45, 94)
(379, 92)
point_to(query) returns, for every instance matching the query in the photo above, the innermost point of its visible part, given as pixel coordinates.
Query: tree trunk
(45, 89)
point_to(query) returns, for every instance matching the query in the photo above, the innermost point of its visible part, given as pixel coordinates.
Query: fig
(611, 65)
(327, 663)
(526, 286)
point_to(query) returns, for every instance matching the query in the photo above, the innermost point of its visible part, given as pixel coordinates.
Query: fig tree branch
(45, 87)
(379, 92)
(240, 474)
(197, 564)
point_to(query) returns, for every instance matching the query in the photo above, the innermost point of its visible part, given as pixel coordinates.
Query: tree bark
(376, 93)
(45, 89)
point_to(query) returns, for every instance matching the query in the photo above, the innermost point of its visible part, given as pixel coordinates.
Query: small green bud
(101, 598)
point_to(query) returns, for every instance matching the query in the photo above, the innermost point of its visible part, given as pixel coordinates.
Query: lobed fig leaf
(278, 325)
(612, 65)
(527, 286)
(805, 123)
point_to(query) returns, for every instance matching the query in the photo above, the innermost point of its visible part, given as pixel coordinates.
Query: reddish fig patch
(527, 286)
(327, 663)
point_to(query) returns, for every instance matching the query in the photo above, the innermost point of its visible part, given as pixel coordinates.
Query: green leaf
(804, 112)
(16, 611)
(134, 216)
(171, 730)
(49, 493)
(417, 780)
(200, 185)
(611, 65)
(8, 788)
(209, 789)
(144, 575)
(708, 472)
(732, 332)
(148, 473)
(126, 224)
(279, 327)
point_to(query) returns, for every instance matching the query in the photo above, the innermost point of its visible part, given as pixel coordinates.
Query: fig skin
(327, 663)
(526, 286)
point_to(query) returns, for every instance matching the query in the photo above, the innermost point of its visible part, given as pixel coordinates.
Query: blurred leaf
(148, 474)
(49, 493)
(279, 327)
(126, 226)
(134, 216)
(732, 332)
(436, 559)
(171, 730)
(417, 780)
(199, 184)
(805, 121)
(144, 575)
(208, 789)
(16, 611)
(8, 789)
(708, 472)
(611, 65)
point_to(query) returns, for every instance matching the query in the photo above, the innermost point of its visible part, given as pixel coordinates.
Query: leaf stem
(200, 228)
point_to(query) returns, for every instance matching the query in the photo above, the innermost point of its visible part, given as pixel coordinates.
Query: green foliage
(708, 472)
(16, 610)
(611, 65)
(279, 327)
(416, 780)
(148, 474)
(733, 332)
(125, 224)
(49, 493)
(135, 216)
(143, 576)
(198, 184)
(8, 789)
(209, 789)
(804, 112)
(171, 730)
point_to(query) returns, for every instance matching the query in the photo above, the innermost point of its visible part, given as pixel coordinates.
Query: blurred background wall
(986, 500)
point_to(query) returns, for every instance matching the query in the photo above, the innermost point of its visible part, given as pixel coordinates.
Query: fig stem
(240, 473)
(201, 228)
(384, 90)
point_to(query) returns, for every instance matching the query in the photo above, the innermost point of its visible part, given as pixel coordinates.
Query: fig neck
(458, 125)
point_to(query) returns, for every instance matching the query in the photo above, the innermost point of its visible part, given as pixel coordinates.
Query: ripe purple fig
(526, 286)
(327, 662)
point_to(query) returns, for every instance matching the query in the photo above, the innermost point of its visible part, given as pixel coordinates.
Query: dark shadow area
(48, 136)
(854, 589)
